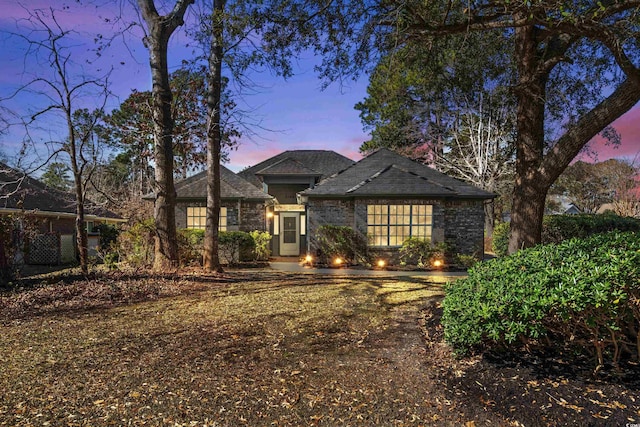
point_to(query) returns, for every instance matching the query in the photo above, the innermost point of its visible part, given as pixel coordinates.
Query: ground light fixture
(308, 259)
(338, 261)
(437, 263)
(381, 263)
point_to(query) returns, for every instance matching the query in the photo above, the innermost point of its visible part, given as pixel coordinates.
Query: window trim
(202, 218)
(386, 221)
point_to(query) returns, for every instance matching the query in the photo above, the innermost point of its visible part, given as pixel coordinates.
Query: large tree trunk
(211, 259)
(166, 248)
(160, 29)
(81, 232)
(530, 189)
(536, 171)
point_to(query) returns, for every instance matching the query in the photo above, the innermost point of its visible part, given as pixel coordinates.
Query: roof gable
(323, 163)
(232, 186)
(392, 178)
(386, 173)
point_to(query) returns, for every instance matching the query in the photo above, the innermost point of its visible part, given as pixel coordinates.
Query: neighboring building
(389, 198)
(53, 213)
(243, 206)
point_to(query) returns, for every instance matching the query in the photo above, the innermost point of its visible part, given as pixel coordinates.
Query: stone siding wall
(327, 212)
(460, 223)
(251, 216)
(464, 229)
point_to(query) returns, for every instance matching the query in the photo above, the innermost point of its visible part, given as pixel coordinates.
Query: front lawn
(257, 348)
(262, 348)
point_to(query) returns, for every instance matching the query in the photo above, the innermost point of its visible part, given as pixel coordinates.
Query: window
(303, 225)
(197, 217)
(390, 225)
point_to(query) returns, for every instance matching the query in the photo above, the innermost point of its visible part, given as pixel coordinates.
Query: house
(53, 213)
(283, 177)
(389, 198)
(385, 196)
(243, 205)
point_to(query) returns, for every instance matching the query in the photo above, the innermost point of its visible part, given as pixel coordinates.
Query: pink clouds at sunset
(288, 114)
(628, 126)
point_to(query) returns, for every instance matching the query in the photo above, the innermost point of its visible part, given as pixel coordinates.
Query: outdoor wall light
(269, 214)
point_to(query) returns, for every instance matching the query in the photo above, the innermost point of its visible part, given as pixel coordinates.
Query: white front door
(289, 233)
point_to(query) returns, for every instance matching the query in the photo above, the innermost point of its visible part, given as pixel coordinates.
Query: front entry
(289, 233)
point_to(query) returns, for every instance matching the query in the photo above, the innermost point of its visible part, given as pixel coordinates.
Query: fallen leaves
(259, 349)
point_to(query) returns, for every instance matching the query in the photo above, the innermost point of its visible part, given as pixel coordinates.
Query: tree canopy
(575, 70)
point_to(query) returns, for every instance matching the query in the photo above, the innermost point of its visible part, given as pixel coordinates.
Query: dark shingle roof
(288, 166)
(323, 163)
(20, 191)
(385, 173)
(232, 186)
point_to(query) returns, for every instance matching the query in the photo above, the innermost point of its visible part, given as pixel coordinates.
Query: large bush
(135, 245)
(421, 252)
(557, 228)
(108, 244)
(581, 293)
(235, 246)
(190, 245)
(341, 242)
(261, 240)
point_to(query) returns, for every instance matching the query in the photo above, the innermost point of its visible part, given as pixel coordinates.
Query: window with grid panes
(197, 217)
(390, 225)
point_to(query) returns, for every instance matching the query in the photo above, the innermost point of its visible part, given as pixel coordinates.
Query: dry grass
(257, 348)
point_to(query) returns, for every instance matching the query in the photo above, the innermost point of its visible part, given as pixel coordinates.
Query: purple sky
(295, 113)
(292, 114)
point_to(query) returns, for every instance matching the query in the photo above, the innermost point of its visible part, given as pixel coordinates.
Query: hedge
(557, 228)
(580, 293)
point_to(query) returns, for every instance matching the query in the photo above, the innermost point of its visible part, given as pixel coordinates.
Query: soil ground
(263, 348)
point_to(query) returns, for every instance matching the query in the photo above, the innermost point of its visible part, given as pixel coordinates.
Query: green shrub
(190, 245)
(7, 249)
(136, 244)
(235, 246)
(261, 240)
(501, 239)
(334, 241)
(557, 228)
(582, 293)
(420, 252)
(466, 261)
(107, 244)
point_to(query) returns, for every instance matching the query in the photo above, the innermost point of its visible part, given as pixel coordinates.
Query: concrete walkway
(295, 267)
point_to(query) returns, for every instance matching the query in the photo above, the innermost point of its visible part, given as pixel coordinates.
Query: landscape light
(381, 263)
(437, 263)
(308, 259)
(337, 261)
